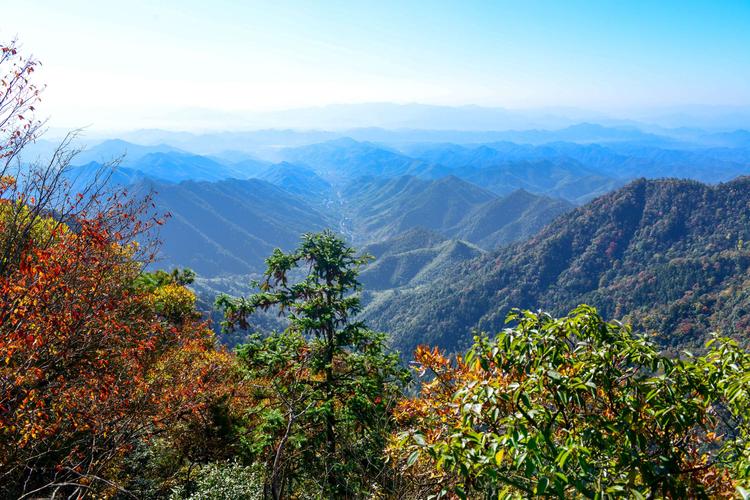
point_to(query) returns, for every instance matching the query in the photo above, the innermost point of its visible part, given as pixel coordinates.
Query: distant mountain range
(376, 191)
(119, 150)
(464, 232)
(553, 166)
(572, 171)
(230, 226)
(345, 159)
(395, 116)
(556, 175)
(298, 180)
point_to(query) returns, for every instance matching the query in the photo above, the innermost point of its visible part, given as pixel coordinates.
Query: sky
(115, 63)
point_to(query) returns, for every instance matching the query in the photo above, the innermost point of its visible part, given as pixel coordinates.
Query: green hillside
(668, 255)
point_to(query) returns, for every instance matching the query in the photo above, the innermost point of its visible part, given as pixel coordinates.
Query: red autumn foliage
(88, 365)
(91, 364)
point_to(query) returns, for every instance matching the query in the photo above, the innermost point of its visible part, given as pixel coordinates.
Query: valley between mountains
(462, 233)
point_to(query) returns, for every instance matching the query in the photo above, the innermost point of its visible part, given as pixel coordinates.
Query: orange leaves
(430, 359)
(88, 359)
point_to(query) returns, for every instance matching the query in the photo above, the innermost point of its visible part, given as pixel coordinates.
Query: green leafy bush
(223, 481)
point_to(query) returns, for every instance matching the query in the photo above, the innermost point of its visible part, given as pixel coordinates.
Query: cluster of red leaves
(88, 367)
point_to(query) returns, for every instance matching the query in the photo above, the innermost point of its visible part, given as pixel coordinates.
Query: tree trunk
(331, 478)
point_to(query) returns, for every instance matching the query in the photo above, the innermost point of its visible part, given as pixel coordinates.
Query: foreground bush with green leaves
(577, 407)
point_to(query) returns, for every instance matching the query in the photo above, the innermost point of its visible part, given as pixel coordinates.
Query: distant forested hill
(298, 180)
(384, 208)
(416, 256)
(671, 256)
(230, 227)
(345, 159)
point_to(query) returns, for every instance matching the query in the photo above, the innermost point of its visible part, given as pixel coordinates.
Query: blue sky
(123, 62)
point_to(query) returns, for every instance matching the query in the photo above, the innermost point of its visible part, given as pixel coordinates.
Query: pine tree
(327, 374)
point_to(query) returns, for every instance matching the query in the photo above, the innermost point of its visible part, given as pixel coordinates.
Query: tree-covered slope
(231, 226)
(298, 180)
(669, 255)
(383, 208)
(417, 265)
(412, 239)
(511, 218)
(386, 208)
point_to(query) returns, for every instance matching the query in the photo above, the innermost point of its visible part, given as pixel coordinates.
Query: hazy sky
(126, 62)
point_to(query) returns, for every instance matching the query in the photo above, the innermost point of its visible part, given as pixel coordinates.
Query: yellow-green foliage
(174, 301)
(17, 221)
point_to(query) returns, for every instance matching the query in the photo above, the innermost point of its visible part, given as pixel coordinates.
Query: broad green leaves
(576, 406)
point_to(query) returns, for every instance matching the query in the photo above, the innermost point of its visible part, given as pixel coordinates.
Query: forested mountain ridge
(345, 159)
(298, 180)
(384, 208)
(416, 266)
(228, 227)
(514, 217)
(667, 255)
(618, 160)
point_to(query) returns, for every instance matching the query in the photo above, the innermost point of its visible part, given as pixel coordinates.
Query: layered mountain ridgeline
(616, 160)
(670, 256)
(298, 180)
(578, 172)
(229, 227)
(575, 171)
(497, 170)
(164, 166)
(385, 208)
(344, 159)
(479, 196)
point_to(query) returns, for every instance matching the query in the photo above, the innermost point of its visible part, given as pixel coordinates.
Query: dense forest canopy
(668, 256)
